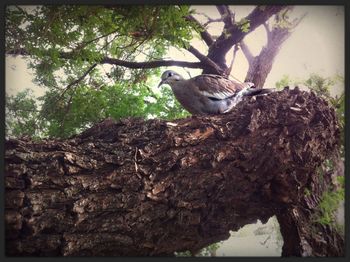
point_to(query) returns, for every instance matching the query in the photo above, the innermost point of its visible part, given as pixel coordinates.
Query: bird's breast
(189, 99)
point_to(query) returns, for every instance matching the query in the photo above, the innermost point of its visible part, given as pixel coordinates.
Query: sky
(316, 46)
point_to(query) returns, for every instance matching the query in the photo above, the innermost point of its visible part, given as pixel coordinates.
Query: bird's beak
(161, 82)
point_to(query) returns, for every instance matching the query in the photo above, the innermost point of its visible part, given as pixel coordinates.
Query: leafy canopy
(65, 45)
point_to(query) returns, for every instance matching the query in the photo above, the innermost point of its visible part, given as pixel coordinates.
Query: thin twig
(78, 80)
(66, 112)
(84, 44)
(218, 20)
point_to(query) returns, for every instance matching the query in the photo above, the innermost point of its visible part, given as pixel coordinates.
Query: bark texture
(149, 188)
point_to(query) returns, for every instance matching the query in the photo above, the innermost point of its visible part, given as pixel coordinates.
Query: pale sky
(315, 46)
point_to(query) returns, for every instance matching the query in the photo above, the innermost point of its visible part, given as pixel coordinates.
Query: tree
(89, 59)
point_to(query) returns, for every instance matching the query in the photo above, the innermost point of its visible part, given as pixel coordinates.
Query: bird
(208, 93)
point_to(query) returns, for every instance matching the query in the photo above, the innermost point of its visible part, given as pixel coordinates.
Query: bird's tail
(258, 91)
(249, 91)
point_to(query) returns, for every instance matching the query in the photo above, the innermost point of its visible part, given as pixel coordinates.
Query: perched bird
(207, 93)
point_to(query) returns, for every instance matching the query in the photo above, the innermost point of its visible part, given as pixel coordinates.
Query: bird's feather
(217, 87)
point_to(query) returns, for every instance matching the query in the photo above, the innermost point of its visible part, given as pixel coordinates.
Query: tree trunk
(261, 65)
(149, 188)
(235, 34)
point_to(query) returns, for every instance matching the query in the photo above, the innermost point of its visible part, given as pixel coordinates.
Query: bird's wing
(217, 87)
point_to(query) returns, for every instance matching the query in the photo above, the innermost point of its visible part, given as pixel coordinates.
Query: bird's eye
(170, 74)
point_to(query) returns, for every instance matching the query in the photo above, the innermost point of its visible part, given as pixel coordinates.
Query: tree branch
(260, 66)
(208, 39)
(77, 81)
(207, 61)
(18, 51)
(150, 64)
(268, 32)
(150, 188)
(212, 21)
(235, 49)
(297, 21)
(227, 16)
(83, 44)
(209, 19)
(119, 62)
(235, 34)
(246, 51)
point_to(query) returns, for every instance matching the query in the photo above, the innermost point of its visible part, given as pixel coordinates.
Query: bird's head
(169, 77)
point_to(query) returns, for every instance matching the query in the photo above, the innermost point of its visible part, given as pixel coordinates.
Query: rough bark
(302, 238)
(149, 188)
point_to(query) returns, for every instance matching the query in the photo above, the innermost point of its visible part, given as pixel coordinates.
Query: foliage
(204, 252)
(307, 192)
(66, 43)
(209, 250)
(22, 115)
(183, 254)
(66, 38)
(282, 19)
(244, 25)
(83, 106)
(285, 81)
(328, 205)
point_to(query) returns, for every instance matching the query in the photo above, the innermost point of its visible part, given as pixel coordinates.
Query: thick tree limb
(206, 62)
(153, 187)
(235, 34)
(229, 69)
(268, 33)
(261, 65)
(227, 16)
(150, 64)
(246, 51)
(119, 62)
(311, 239)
